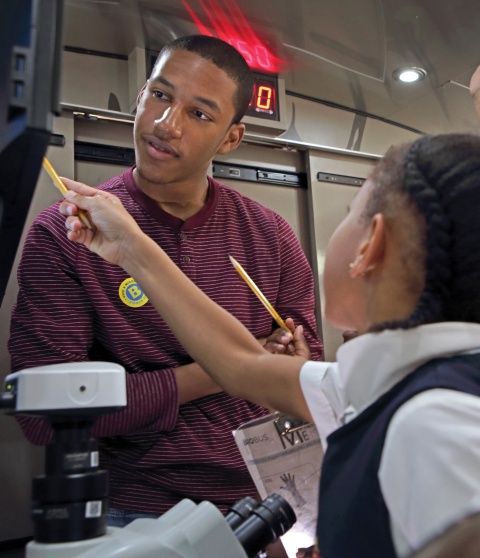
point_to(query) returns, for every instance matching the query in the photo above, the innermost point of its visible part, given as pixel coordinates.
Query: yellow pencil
(63, 189)
(244, 275)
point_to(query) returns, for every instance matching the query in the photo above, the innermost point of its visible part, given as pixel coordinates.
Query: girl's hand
(114, 230)
(282, 342)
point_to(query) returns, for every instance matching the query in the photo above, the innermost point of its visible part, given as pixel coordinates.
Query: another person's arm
(475, 89)
(221, 345)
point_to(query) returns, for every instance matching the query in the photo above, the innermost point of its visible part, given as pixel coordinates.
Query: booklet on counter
(284, 456)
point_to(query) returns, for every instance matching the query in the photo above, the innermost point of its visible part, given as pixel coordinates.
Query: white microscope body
(70, 502)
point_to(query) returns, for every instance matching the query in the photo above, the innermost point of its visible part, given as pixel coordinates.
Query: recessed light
(409, 74)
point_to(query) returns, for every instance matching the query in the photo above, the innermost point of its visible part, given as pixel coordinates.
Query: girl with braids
(401, 407)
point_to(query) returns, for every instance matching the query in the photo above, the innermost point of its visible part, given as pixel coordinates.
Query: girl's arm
(212, 336)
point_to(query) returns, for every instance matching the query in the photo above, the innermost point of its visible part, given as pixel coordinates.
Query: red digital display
(265, 97)
(257, 56)
(264, 103)
(226, 21)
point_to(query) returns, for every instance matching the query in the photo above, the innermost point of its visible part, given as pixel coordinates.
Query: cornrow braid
(441, 176)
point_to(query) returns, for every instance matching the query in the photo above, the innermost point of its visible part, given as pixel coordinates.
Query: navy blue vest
(353, 521)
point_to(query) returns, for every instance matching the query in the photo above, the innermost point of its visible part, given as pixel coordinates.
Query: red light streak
(229, 24)
(201, 28)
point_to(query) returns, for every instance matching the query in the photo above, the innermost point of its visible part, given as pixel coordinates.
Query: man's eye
(159, 94)
(200, 114)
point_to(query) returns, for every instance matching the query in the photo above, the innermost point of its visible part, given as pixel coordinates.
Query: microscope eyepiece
(265, 523)
(240, 511)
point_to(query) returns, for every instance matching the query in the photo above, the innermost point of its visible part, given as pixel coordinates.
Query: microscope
(70, 501)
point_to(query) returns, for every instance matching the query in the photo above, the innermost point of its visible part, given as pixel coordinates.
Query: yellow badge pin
(131, 293)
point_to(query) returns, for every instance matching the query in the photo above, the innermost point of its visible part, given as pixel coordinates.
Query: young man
(174, 439)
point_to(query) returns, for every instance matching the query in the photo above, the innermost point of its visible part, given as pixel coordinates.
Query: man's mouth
(160, 146)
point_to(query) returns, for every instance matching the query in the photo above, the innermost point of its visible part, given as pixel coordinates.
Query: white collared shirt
(430, 468)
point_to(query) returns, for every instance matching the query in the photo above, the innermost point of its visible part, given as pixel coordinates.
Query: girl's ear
(372, 249)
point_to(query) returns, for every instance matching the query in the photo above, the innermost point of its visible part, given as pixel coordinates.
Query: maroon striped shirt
(69, 309)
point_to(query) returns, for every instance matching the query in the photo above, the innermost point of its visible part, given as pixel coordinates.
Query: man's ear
(140, 93)
(232, 138)
(372, 249)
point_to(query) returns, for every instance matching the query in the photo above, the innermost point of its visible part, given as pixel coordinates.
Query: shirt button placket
(184, 257)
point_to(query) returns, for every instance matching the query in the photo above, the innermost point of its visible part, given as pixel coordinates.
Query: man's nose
(170, 123)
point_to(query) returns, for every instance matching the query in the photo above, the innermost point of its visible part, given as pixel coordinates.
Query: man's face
(183, 119)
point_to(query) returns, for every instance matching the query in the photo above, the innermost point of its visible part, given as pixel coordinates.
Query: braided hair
(438, 178)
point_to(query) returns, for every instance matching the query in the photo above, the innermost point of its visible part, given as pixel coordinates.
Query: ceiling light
(409, 74)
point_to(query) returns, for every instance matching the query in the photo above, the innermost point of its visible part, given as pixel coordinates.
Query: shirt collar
(151, 207)
(371, 364)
